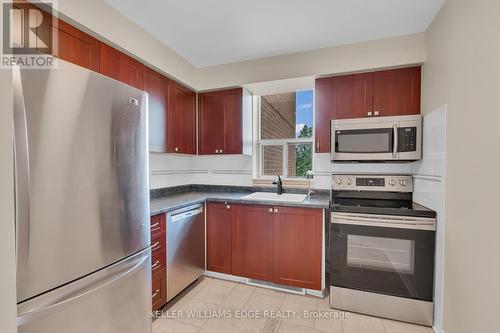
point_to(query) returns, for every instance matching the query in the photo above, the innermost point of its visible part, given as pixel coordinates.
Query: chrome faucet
(309, 176)
(279, 189)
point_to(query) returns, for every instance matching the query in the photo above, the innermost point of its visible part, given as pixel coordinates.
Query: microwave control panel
(407, 139)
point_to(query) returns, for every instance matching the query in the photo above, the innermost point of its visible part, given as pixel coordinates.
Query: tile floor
(214, 305)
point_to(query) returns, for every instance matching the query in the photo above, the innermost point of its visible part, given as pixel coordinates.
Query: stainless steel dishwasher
(185, 248)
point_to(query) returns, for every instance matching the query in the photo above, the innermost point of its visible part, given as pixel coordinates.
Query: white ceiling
(212, 32)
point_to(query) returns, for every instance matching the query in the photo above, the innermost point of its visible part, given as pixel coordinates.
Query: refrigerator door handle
(21, 171)
(47, 305)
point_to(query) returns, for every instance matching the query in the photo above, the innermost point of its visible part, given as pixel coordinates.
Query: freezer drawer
(185, 248)
(116, 299)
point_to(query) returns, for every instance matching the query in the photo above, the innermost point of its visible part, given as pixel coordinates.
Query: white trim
(231, 172)
(179, 172)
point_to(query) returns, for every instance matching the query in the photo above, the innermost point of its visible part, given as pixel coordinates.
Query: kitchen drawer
(159, 289)
(158, 242)
(158, 261)
(157, 224)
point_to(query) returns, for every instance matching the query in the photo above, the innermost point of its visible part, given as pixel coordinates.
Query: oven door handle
(395, 141)
(403, 223)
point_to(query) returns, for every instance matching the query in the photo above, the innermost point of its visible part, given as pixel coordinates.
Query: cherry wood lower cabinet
(219, 216)
(252, 242)
(298, 247)
(158, 261)
(270, 243)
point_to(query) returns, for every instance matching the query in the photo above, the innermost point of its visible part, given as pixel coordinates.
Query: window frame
(281, 142)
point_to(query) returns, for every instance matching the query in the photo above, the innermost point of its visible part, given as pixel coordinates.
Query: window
(286, 134)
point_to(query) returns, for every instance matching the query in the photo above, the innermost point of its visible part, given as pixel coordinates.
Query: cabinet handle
(220, 151)
(216, 151)
(155, 246)
(370, 114)
(276, 210)
(153, 226)
(156, 264)
(375, 113)
(270, 210)
(155, 293)
(176, 148)
(317, 144)
(228, 206)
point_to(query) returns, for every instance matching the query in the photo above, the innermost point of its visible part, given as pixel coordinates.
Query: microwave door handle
(395, 142)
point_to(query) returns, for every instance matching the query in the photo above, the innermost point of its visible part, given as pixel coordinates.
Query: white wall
(461, 72)
(389, 52)
(101, 20)
(429, 186)
(7, 243)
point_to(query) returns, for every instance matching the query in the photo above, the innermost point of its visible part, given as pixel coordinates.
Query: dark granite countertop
(171, 201)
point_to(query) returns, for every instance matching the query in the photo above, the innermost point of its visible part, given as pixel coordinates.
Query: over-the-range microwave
(378, 139)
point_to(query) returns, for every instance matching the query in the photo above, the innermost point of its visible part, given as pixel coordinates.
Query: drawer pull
(153, 226)
(156, 264)
(155, 246)
(155, 293)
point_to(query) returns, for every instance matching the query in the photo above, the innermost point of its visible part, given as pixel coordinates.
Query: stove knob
(348, 181)
(339, 181)
(392, 182)
(402, 182)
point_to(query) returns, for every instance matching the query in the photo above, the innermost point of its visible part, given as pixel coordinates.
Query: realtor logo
(28, 38)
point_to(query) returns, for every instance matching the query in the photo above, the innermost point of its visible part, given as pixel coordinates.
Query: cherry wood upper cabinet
(181, 120)
(323, 109)
(120, 66)
(297, 247)
(252, 242)
(396, 92)
(157, 85)
(352, 96)
(220, 122)
(219, 237)
(73, 45)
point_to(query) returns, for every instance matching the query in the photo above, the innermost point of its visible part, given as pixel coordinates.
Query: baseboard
(438, 329)
(264, 284)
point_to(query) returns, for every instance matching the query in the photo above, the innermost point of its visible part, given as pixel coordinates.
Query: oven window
(364, 141)
(378, 253)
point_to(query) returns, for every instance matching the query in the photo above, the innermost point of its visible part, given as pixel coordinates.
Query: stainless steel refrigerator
(82, 203)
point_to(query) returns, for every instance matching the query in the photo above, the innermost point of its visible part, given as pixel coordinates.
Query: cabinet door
(297, 247)
(219, 237)
(252, 242)
(121, 67)
(211, 130)
(233, 122)
(181, 120)
(323, 116)
(156, 85)
(396, 92)
(352, 96)
(74, 45)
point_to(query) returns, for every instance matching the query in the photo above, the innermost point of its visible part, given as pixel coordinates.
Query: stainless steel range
(382, 248)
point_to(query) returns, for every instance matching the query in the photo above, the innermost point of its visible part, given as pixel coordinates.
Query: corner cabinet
(393, 92)
(269, 243)
(220, 122)
(181, 119)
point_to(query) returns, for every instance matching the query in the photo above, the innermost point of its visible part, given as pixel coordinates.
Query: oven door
(383, 254)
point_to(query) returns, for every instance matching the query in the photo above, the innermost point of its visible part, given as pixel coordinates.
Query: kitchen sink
(268, 196)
